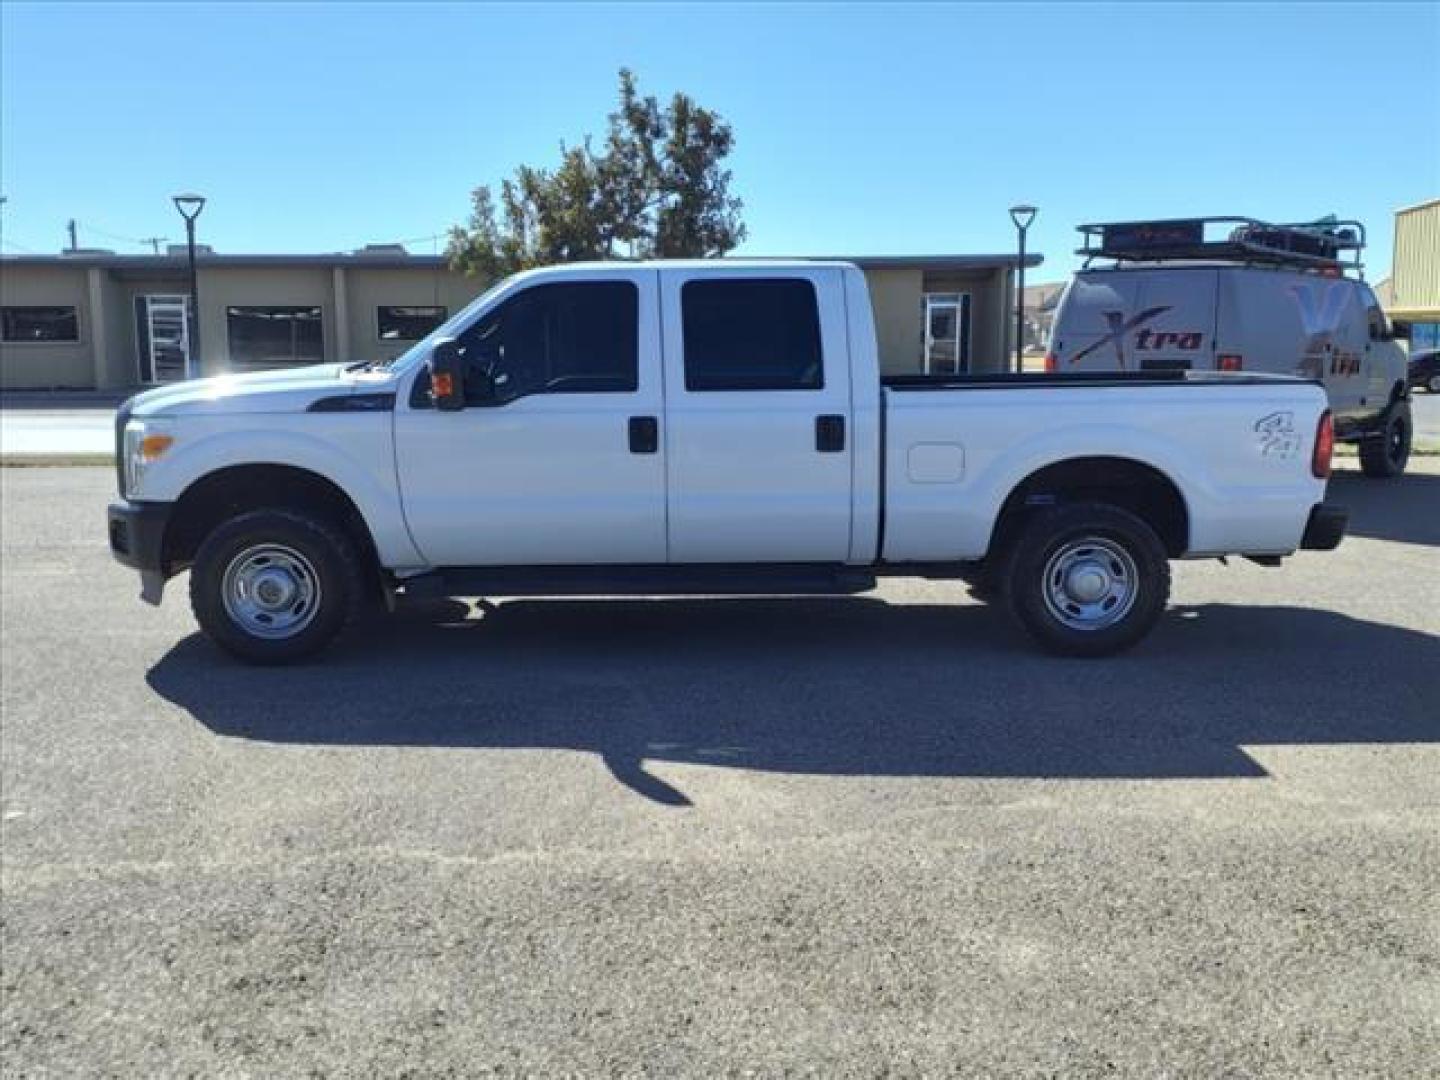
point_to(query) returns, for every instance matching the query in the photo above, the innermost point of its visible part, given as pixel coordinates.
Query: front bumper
(1326, 527)
(137, 540)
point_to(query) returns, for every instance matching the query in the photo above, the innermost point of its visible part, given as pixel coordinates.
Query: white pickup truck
(701, 428)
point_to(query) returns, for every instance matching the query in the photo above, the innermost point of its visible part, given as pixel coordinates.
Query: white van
(1258, 298)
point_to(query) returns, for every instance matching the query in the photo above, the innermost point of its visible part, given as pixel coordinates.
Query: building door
(162, 332)
(947, 333)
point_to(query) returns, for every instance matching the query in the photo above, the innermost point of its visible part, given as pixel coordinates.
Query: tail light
(1324, 446)
(1231, 362)
(1052, 364)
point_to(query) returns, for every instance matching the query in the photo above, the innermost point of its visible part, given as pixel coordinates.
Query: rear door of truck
(758, 416)
(1139, 319)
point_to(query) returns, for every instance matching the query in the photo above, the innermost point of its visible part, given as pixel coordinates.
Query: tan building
(97, 320)
(1415, 274)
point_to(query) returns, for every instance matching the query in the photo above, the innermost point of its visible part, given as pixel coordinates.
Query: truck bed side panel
(1239, 455)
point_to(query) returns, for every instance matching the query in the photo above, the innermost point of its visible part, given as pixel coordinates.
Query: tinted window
(407, 323)
(39, 324)
(266, 337)
(753, 334)
(576, 338)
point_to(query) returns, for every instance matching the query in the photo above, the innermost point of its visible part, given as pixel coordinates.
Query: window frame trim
(80, 337)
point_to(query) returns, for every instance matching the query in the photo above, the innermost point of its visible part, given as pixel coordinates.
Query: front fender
(352, 451)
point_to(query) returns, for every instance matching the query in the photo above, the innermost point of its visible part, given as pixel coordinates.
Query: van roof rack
(1328, 244)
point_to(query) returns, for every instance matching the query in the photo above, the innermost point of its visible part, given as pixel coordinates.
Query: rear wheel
(274, 586)
(1087, 579)
(1434, 384)
(1385, 454)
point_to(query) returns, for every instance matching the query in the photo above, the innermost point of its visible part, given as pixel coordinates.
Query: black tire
(1385, 454)
(1099, 542)
(311, 555)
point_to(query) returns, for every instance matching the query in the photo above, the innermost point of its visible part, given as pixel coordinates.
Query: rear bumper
(1326, 527)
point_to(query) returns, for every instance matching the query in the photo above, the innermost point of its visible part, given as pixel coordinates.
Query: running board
(661, 580)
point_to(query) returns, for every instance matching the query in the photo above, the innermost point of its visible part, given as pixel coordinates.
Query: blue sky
(865, 130)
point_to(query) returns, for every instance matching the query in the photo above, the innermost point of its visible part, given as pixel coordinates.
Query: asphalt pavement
(866, 836)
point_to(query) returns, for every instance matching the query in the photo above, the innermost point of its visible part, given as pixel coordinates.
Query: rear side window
(751, 334)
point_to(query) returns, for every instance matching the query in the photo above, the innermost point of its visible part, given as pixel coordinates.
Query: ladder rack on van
(1328, 245)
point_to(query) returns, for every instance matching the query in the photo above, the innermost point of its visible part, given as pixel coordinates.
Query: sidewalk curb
(45, 461)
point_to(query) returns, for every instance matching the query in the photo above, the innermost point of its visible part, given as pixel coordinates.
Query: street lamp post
(1022, 216)
(190, 206)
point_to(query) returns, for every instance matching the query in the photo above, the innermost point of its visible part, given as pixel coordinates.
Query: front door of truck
(557, 458)
(758, 435)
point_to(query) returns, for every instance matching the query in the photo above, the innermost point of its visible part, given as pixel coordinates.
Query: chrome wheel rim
(271, 591)
(1090, 583)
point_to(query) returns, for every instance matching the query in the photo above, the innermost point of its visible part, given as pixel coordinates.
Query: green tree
(657, 189)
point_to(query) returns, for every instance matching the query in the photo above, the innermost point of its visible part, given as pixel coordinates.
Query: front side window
(751, 334)
(565, 338)
(403, 322)
(269, 337)
(38, 324)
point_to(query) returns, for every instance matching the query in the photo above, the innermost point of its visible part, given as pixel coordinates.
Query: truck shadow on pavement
(1406, 508)
(829, 687)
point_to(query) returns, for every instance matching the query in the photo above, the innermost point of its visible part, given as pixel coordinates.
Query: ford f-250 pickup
(703, 428)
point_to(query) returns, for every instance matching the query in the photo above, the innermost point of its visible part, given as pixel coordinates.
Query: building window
(39, 324)
(401, 322)
(751, 334)
(946, 346)
(267, 337)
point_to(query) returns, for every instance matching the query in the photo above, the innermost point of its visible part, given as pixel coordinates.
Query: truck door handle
(829, 434)
(644, 435)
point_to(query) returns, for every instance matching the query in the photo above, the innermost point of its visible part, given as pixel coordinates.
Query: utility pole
(154, 242)
(74, 244)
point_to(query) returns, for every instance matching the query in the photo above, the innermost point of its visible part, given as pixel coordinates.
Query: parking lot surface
(848, 837)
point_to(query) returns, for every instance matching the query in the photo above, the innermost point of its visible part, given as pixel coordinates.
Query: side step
(808, 579)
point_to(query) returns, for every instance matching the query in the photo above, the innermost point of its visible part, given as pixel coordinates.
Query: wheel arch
(1138, 486)
(217, 496)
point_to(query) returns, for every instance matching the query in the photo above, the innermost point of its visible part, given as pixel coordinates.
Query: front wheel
(274, 586)
(1088, 579)
(1385, 454)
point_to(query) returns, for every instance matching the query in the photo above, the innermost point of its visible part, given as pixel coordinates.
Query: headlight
(146, 442)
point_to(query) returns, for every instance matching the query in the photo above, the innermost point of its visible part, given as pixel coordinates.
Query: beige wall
(48, 364)
(895, 297)
(1416, 274)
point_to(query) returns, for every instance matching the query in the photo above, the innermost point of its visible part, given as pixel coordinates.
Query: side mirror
(1399, 330)
(447, 376)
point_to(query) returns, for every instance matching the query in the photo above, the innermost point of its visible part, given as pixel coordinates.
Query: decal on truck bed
(1278, 438)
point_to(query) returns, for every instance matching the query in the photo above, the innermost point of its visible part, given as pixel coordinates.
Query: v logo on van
(1119, 327)
(1321, 318)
